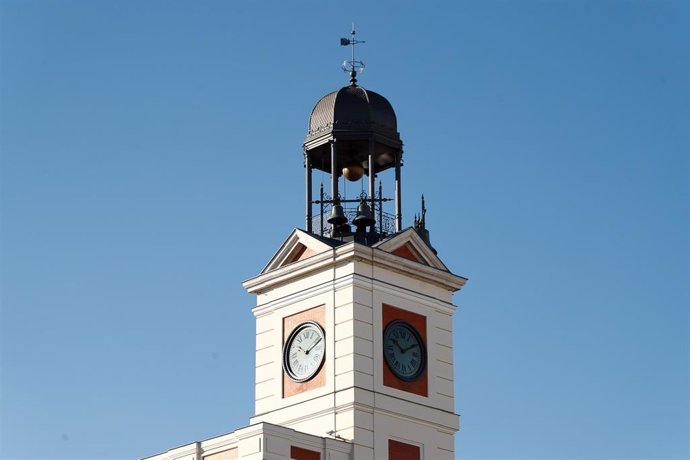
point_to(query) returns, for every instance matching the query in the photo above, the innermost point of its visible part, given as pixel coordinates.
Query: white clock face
(403, 350)
(304, 351)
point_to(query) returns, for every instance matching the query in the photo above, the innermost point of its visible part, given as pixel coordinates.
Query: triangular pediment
(409, 245)
(299, 245)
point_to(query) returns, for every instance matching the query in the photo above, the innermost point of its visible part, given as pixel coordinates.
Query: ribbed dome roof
(353, 108)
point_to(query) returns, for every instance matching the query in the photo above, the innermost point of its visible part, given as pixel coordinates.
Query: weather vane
(353, 66)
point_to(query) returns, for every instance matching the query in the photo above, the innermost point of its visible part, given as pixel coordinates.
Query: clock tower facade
(354, 336)
(385, 381)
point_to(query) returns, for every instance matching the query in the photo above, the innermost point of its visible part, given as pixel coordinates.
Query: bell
(364, 218)
(353, 172)
(337, 216)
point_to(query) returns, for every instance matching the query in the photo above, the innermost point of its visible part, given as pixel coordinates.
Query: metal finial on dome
(352, 66)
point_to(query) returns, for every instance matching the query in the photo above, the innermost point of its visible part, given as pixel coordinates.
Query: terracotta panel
(421, 385)
(305, 254)
(297, 453)
(317, 314)
(296, 254)
(401, 451)
(300, 252)
(407, 252)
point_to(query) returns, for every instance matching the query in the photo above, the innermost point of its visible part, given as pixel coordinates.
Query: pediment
(299, 245)
(409, 245)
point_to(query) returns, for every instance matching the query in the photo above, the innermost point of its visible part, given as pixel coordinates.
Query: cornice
(309, 293)
(352, 405)
(348, 253)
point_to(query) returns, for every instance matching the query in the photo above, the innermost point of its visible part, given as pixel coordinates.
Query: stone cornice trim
(341, 255)
(309, 293)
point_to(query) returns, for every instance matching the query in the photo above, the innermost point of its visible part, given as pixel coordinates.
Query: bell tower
(354, 336)
(353, 137)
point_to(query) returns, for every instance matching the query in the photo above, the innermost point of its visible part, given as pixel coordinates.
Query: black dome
(353, 108)
(355, 118)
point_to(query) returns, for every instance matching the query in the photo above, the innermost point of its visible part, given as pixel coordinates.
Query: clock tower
(354, 336)
(354, 330)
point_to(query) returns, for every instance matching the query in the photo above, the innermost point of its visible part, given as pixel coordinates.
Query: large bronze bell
(337, 216)
(364, 218)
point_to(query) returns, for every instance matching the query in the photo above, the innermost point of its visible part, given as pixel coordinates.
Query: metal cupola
(352, 132)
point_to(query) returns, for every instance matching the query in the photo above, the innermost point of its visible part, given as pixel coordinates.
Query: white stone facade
(353, 282)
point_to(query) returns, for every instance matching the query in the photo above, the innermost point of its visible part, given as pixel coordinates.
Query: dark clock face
(304, 352)
(404, 350)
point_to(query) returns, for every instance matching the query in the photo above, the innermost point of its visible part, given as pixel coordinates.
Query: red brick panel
(297, 453)
(400, 451)
(421, 385)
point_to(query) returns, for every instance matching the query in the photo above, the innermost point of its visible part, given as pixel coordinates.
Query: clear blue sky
(151, 161)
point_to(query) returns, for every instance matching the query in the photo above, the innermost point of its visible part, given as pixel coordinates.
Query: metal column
(372, 169)
(307, 166)
(334, 174)
(398, 193)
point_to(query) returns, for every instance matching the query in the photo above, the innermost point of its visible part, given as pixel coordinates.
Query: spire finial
(352, 66)
(420, 219)
(420, 225)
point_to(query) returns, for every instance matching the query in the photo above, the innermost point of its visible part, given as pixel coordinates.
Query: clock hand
(410, 347)
(313, 345)
(395, 342)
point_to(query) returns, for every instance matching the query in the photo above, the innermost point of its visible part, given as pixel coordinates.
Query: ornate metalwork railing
(385, 222)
